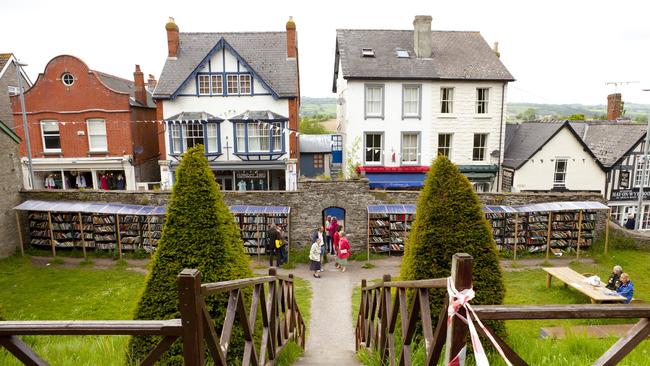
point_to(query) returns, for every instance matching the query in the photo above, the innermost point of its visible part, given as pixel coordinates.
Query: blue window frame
(259, 139)
(186, 134)
(224, 83)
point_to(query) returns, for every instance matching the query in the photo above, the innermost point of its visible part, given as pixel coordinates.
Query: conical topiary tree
(199, 232)
(449, 220)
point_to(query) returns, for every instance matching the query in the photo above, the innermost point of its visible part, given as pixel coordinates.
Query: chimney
(614, 106)
(151, 83)
(292, 47)
(422, 36)
(173, 41)
(496, 49)
(140, 91)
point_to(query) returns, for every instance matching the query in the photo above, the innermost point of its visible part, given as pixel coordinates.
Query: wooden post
(609, 218)
(579, 234)
(189, 295)
(83, 239)
(548, 235)
(119, 236)
(49, 221)
(461, 277)
(516, 234)
(20, 234)
(368, 238)
(384, 314)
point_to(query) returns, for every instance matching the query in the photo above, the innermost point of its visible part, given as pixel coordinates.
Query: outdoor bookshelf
(388, 228)
(254, 221)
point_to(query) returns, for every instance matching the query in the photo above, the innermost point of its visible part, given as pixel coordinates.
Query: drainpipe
(501, 152)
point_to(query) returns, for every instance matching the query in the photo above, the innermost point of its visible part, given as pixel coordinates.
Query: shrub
(199, 232)
(449, 220)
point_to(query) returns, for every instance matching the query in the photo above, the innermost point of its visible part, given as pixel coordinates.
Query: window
(216, 84)
(411, 101)
(480, 187)
(480, 145)
(13, 90)
(367, 52)
(444, 144)
(193, 134)
(244, 84)
(67, 79)
(232, 84)
(319, 161)
(276, 132)
(241, 137)
(402, 53)
(97, 135)
(559, 179)
(446, 100)
(373, 148)
(482, 97)
(410, 147)
(175, 131)
(258, 138)
(204, 84)
(638, 173)
(51, 136)
(374, 101)
(212, 138)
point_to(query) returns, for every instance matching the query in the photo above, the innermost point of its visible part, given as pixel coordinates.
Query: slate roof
(315, 143)
(456, 56)
(610, 141)
(258, 116)
(125, 86)
(193, 116)
(265, 52)
(525, 139)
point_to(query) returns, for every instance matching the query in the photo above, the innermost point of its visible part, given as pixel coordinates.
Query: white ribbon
(459, 300)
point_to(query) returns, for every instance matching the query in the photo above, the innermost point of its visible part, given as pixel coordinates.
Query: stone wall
(10, 183)
(309, 201)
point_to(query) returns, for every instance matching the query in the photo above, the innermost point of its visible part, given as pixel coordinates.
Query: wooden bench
(574, 279)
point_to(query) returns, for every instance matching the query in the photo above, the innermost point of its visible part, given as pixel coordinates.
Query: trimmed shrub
(449, 220)
(199, 232)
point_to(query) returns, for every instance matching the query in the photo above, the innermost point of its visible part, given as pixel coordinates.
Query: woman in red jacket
(336, 238)
(343, 252)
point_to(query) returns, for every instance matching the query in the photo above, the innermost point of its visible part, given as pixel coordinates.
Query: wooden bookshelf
(388, 228)
(105, 231)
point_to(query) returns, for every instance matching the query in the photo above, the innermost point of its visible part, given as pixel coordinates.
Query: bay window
(186, 135)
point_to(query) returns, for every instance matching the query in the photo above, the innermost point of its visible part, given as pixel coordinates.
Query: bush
(199, 232)
(449, 220)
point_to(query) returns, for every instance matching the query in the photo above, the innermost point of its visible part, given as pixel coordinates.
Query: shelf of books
(152, 227)
(388, 228)
(255, 221)
(105, 231)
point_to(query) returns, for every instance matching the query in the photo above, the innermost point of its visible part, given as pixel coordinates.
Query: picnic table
(597, 294)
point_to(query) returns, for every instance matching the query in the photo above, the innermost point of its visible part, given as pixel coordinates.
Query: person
(314, 258)
(614, 278)
(625, 288)
(328, 237)
(318, 235)
(80, 181)
(281, 248)
(241, 186)
(103, 182)
(344, 251)
(271, 236)
(630, 223)
(334, 225)
(120, 182)
(49, 182)
(335, 243)
(111, 180)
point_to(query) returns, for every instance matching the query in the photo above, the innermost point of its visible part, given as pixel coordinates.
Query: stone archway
(334, 211)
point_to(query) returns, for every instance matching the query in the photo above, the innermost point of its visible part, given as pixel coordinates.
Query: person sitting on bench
(625, 288)
(614, 278)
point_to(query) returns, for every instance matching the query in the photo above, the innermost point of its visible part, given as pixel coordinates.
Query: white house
(405, 96)
(238, 95)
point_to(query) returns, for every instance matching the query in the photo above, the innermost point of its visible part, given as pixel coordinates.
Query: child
(344, 252)
(314, 257)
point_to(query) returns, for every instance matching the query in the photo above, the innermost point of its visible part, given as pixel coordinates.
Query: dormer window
(402, 53)
(367, 52)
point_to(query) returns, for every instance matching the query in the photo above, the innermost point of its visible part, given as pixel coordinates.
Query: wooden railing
(281, 322)
(379, 310)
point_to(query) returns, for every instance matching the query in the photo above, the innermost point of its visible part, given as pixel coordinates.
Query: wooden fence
(379, 310)
(281, 322)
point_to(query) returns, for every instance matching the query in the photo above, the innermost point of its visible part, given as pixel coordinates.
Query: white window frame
(210, 138)
(250, 84)
(447, 148)
(58, 128)
(93, 121)
(381, 148)
(482, 105)
(639, 171)
(560, 183)
(235, 79)
(216, 86)
(240, 132)
(482, 148)
(13, 90)
(203, 84)
(197, 134)
(447, 100)
(379, 114)
(276, 136)
(403, 148)
(176, 138)
(418, 108)
(262, 134)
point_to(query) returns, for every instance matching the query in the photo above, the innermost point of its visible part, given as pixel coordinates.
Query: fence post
(385, 313)
(189, 301)
(461, 277)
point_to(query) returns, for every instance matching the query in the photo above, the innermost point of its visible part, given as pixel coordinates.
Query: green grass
(28, 292)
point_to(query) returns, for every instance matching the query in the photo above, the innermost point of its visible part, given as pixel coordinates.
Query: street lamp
(639, 218)
(19, 66)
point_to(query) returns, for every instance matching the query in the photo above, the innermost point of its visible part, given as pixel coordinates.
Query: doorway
(337, 212)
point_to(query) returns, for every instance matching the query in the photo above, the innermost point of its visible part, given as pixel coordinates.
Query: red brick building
(83, 129)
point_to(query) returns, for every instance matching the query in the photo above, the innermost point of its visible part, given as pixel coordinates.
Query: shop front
(80, 173)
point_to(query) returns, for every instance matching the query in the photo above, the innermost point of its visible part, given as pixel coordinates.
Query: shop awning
(90, 207)
(396, 180)
(391, 209)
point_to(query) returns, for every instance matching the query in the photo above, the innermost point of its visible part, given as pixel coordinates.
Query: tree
(199, 232)
(449, 220)
(313, 126)
(576, 117)
(529, 114)
(642, 118)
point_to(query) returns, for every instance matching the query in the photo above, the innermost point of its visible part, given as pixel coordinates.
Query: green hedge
(200, 232)
(449, 220)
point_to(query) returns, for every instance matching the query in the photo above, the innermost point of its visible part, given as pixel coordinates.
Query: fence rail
(273, 296)
(379, 310)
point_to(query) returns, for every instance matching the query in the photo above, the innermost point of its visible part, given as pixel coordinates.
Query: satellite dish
(138, 149)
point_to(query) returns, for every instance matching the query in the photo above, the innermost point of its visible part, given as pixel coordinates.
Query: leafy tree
(449, 220)
(311, 126)
(199, 232)
(530, 114)
(642, 118)
(576, 117)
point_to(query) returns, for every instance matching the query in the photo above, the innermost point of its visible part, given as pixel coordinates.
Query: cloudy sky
(559, 51)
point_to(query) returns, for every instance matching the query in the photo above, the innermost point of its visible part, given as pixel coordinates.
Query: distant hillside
(310, 107)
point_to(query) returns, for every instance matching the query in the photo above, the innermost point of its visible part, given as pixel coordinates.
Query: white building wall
(583, 173)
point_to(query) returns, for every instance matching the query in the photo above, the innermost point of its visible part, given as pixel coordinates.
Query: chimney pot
(292, 46)
(496, 49)
(173, 40)
(140, 91)
(422, 41)
(151, 83)
(614, 106)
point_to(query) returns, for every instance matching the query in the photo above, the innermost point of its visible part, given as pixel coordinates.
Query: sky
(559, 51)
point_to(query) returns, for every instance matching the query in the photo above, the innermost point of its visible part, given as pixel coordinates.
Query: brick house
(238, 95)
(83, 129)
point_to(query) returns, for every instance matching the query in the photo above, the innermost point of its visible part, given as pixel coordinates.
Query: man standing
(281, 248)
(328, 237)
(271, 236)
